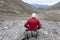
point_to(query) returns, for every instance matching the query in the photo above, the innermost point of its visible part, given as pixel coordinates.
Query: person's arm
(39, 25)
(26, 24)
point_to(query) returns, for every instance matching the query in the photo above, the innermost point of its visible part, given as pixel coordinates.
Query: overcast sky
(44, 2)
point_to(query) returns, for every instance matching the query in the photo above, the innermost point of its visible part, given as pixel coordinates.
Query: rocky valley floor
(12, 28)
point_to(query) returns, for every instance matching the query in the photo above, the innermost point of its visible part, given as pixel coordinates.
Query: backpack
(30, 33)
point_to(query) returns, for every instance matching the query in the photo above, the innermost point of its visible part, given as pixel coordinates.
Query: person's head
(33, 14)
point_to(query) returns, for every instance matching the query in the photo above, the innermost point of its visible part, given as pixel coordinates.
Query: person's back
(33, 23)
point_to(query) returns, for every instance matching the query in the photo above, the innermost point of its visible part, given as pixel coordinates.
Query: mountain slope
(55, 7)
(16, 5)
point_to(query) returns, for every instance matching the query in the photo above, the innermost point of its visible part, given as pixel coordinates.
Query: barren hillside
(54, 7)
(15, 6)
(52, 13)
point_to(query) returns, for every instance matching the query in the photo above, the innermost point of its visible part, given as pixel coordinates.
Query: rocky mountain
(55, 7)
(16, 6)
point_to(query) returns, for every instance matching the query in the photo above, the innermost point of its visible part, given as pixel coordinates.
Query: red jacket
(32, 24)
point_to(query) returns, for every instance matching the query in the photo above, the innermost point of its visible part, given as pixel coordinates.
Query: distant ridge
(40, 6)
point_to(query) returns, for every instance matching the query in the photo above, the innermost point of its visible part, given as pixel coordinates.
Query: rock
(5, 27)
(45, 32)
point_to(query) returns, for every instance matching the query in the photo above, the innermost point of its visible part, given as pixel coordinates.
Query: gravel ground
(13, 30)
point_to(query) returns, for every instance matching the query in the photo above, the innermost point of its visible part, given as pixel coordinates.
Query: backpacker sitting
(32, 25)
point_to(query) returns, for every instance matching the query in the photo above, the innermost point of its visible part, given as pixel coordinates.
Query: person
(32, 24)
